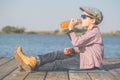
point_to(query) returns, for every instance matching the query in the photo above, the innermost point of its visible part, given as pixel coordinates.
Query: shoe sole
(21, 64)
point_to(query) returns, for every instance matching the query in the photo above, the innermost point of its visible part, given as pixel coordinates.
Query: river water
(34, 44)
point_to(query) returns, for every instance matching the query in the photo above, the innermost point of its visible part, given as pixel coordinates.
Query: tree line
(12, 29)
(77, 30)
(18, 30)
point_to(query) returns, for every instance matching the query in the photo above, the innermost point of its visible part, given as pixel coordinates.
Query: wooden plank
(8, 72)
(110, 65)
(57, 76)
(118, 70)
(4, 60)
(78, 76)
(1, 57)
(16, 75)
(36, 76)
(115, 73)
(102, 76)
(7, 68)
(112, 59)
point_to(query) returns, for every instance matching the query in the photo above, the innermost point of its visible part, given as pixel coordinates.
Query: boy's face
(87, 20)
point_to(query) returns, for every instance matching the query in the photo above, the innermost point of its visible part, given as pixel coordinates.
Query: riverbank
(57, 32)
(115, 33)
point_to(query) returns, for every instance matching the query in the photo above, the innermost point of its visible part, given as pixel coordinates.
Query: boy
(87, 54)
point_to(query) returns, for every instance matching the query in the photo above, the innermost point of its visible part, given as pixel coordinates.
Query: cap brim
(83, 9)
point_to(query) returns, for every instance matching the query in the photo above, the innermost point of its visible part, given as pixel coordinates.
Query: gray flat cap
(96, 13)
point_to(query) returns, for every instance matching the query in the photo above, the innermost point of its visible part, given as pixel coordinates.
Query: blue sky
(47, 14)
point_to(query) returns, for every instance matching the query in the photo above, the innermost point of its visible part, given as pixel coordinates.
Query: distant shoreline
(116, 33)
(57, 32)
(21, 30)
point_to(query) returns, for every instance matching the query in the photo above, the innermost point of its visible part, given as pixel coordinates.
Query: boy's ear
(93, 21)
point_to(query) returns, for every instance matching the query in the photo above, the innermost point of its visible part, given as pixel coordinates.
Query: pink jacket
(90, 47)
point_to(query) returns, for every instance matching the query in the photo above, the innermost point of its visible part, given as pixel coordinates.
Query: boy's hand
(73, 23)
(67, 51)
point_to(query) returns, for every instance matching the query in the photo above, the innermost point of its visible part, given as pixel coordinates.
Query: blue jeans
(57, 61)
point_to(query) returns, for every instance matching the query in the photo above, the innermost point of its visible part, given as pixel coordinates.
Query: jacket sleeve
(83, 40)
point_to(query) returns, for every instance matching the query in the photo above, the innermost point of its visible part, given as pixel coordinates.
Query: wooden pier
(8, 71)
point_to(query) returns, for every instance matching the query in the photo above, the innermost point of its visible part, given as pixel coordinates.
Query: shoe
(26, 62)
(21, 65)
(18, 60)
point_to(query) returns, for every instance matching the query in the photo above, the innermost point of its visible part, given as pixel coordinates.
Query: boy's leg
(50, 57)
(65, 64)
